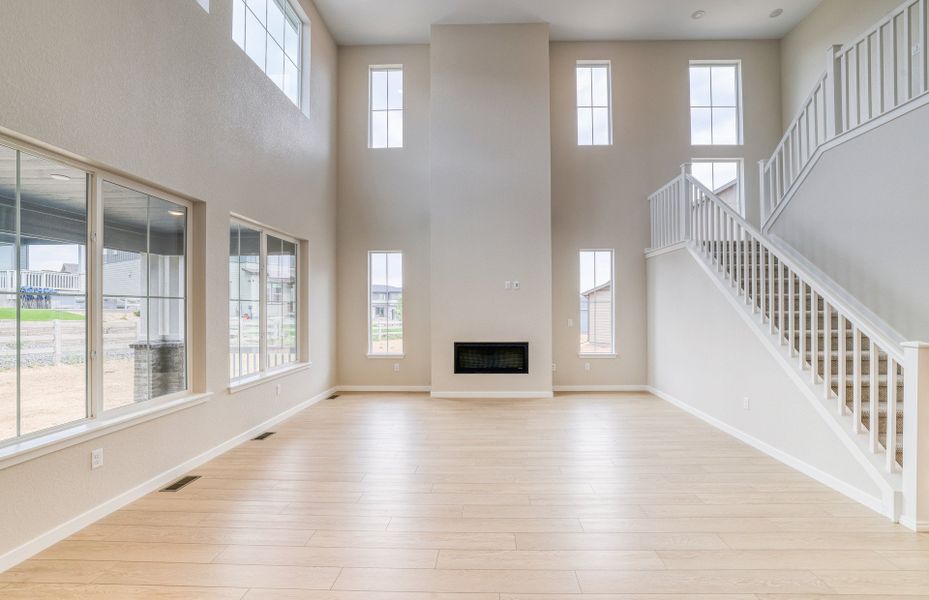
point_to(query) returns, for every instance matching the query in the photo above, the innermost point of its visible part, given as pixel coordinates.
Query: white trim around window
(50, 167)
(591, 282)
(251, 365)
(713, 105)
(385, 107)
(391, 308)
(594, 106)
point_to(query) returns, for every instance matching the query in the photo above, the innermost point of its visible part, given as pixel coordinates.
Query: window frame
(737, 63)
(580, 64)
(97, 419)
(612, 352)
(740, 176)
(368, 306)
(387, 69)
(303, 52)
(264, 372)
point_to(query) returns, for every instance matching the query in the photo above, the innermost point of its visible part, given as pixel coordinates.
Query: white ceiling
(355, 22)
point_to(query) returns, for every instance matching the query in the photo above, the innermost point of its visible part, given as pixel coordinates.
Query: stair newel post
(764, 197)
(833, 92)
(916, 435)
(686, 209)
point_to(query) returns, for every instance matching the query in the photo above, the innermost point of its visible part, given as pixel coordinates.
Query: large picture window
(263, 301)
(715, 103)
(385, 303)
(73, 347)
(596, 302)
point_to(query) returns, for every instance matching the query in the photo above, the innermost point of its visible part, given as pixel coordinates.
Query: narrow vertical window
(596, 302)
(594, 116)
(723, 178)
(281, 302)
(144, 296)
(263, 300)
(244, 301)
(715, 103)
(385, 120)
(385, 303)
(270, 32)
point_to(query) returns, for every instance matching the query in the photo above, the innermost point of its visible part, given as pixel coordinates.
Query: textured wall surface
(160, 91)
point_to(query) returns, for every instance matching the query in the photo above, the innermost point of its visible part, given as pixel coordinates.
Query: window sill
(245, 384)
(386, 356)
(28, 449)
(597, 355)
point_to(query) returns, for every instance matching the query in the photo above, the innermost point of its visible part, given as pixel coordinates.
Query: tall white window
(594, 117)
(596, 302)
(263, 300)
(385, 115)
(271, 32)
(715, 103)
(59, 221)
(722, 177)
(385, 303)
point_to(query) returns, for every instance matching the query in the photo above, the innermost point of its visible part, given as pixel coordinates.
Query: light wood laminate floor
(402, 497)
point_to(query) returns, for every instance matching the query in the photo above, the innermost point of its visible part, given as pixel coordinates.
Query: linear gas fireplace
(492, 357)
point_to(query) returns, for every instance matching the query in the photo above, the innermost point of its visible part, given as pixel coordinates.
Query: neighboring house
(729, 193)
(596, 318)
(386, 302)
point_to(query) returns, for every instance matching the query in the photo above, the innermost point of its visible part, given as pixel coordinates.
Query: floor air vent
(264, 435)
(181, 483)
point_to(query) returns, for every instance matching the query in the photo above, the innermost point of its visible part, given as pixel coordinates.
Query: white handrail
(880, 70)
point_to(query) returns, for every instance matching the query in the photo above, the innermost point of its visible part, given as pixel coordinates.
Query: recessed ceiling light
(776, 13)
(176, 213)
(698, 14)
(60, 177)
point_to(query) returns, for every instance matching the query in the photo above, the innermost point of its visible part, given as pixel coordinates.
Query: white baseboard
(917, 526)
(874, 503)
(66, 529)
(382, 388)
(452, 395)
(601, 388)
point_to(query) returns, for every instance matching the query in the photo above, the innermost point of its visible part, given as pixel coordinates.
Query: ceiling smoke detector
(698, 14)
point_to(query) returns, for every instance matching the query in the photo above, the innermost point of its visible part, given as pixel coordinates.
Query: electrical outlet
(277, 389)
(515, 285)
(96, 458)
(507, 284)
(396, 367)
(746, 403)
(554, 367)
(570, 322)
(586, 366)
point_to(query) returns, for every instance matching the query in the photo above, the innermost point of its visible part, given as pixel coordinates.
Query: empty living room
(464, 300)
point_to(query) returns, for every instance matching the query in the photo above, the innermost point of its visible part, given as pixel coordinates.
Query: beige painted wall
(159, 90)
(599, 194)
(383, 205)
(878, 181)
(803, 50)
(490, 199)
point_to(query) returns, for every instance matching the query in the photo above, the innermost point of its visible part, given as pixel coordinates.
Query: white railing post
(764, 198)
(833, 92)
(916, 436)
